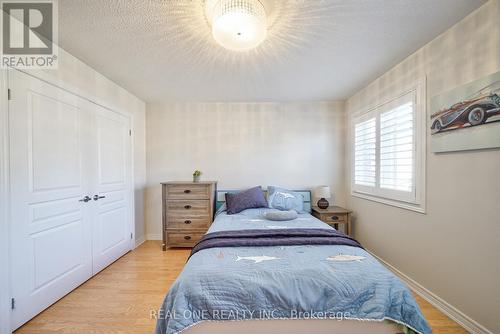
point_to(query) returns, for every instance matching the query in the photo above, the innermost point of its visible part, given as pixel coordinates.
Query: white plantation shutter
(397, 148)
(387, 162)
(365, 153)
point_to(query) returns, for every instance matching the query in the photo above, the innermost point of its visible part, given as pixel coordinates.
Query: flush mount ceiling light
(237, 25)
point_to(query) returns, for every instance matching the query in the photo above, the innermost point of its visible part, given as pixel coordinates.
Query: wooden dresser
(188, 211)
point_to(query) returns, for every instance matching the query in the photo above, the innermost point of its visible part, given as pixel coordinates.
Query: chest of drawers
(188, 210)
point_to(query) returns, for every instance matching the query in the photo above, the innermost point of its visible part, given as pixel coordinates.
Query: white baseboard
(452, 312)
(153, 237)
(139, 241)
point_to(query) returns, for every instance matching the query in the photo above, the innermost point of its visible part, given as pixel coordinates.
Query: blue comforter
(285, 282)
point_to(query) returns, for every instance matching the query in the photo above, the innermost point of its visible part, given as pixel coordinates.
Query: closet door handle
(97, 197)
(85, 199)
(187, 207)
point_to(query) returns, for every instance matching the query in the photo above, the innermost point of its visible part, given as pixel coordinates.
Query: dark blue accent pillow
(246, 199)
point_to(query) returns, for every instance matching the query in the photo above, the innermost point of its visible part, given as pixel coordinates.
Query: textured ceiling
(315, 50)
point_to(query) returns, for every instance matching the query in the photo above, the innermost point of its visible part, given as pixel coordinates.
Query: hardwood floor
(120, 298)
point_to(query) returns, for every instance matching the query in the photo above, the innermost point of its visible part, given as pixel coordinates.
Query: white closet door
(50, 227)
(111, 183)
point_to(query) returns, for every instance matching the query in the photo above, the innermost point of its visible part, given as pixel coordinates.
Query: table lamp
(322, 192)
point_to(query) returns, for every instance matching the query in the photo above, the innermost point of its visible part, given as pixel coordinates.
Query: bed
(279, 287)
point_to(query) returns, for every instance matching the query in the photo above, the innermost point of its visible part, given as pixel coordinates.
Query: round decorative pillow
(281, 215)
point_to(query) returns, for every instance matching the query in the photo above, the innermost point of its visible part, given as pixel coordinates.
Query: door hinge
(130, 132)
(9, 94)
(131, 236)
(12, 303)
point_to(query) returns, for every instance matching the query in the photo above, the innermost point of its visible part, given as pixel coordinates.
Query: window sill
(403, 205)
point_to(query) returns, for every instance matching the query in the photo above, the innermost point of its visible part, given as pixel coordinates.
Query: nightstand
(333, 216)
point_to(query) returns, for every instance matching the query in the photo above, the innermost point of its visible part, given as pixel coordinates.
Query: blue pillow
(283, 199)
(281, 215)
(247, 199)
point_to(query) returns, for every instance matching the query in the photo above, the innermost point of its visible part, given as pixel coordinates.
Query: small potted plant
(196, 176)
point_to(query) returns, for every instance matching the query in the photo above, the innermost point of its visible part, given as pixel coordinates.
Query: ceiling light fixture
(237, 25)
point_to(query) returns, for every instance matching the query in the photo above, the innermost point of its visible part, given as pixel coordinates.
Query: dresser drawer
(334, 218)
(185, 208)
(188, 191)
(183, 238)
(188, 222)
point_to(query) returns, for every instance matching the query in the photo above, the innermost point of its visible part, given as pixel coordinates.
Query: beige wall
(296, 145)
(82, 79)
(454, 249)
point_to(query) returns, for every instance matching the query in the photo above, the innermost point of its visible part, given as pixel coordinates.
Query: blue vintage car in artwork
(470, 112)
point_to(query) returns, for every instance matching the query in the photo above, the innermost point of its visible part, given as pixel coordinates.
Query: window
(365, 153)
(388, 151)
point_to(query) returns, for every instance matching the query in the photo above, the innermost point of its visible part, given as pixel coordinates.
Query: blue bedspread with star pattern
(284, 282)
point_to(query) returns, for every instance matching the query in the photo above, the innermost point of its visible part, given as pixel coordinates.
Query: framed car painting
(467, 117)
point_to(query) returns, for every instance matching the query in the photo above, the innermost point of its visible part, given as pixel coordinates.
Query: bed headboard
(306, 194)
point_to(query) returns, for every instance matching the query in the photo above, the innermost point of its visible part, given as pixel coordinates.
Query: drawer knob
(187, 207)
(187, 222)
(187, 191)
(335, 217)
(187, 237)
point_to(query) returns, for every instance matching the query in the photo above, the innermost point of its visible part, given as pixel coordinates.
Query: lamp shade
(322, 192)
